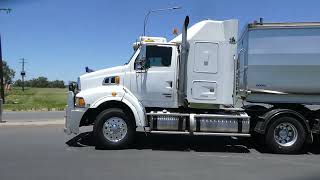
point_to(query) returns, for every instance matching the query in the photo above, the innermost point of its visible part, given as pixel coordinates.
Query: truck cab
(184, 86)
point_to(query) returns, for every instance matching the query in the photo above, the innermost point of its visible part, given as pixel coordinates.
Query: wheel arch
(269, 116)
(121, 103)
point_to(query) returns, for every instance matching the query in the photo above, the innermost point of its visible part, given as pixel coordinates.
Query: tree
(56, 84)
(41, 82)
(8, 73)
(18, 83)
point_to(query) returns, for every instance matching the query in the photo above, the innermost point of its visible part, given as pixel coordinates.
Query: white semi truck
(191, 85)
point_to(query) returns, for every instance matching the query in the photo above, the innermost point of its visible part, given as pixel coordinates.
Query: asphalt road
(32, 116)
(45, 152)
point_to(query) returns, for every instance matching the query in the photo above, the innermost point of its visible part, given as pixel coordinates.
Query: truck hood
(94, 79)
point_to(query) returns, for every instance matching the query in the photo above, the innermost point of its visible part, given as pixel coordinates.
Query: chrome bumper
(73, 115)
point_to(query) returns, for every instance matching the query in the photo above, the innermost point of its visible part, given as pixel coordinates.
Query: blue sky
(59, 38)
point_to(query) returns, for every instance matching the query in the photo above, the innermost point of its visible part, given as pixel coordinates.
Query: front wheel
(113, 129)
(286, 135)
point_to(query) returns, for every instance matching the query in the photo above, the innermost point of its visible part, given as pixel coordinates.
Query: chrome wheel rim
(285, 134)
(115, 129)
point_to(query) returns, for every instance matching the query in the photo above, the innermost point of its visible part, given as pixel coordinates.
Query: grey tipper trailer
(280, 63)
(278, 68)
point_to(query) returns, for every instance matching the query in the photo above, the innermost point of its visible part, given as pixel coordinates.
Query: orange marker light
(117, 80)
(148, 40)
(175, 32)
(113, 93)
(80, 102)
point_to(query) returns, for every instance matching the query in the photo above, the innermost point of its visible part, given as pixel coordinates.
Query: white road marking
(33, 123)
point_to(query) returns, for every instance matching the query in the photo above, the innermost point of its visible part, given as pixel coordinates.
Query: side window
(135, 62)
(158, 56)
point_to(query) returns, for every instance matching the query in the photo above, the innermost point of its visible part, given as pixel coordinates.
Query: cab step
(201, 133)
(170, 132)
(220, 134)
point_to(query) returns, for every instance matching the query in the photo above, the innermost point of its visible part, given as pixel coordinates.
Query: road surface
(45, 152)
(32, 116)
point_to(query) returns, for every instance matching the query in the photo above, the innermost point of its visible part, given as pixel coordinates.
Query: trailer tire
(113, 129)
(286, 135)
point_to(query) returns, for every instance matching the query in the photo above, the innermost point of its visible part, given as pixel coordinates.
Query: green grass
(35, 99)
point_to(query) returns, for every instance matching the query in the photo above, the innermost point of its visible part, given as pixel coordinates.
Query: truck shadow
(186, 143)
(192, 143)
(174, 143)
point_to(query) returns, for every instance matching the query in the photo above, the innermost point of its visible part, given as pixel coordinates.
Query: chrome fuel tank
(167, 121)
(223, 125)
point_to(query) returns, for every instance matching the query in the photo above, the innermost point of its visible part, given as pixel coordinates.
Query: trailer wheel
(113, 129)
(286, 135)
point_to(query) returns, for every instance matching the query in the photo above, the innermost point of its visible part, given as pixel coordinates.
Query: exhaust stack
(183, 61)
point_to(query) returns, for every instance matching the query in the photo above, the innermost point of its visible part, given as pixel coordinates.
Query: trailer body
(280, 63)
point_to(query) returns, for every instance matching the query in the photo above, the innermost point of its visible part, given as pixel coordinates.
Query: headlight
(79, 83)
(80, 102)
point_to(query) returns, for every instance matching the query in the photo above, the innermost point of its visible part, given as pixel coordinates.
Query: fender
(130, 100)
(268, 116)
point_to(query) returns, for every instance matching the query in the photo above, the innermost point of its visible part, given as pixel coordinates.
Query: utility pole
(23, 72)
(7, 10)
(1, 73)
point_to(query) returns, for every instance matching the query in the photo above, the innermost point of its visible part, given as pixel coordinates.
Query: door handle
(170, 83)
(168, 95)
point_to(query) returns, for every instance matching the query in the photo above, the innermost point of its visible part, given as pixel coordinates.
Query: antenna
(154, 11)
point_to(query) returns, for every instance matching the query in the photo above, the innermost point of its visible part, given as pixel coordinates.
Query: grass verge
(35, 99)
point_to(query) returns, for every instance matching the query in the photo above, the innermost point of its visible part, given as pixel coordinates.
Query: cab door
(155, 84)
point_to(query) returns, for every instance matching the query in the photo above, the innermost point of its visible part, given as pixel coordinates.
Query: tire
(113, 129)
(277, 140)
